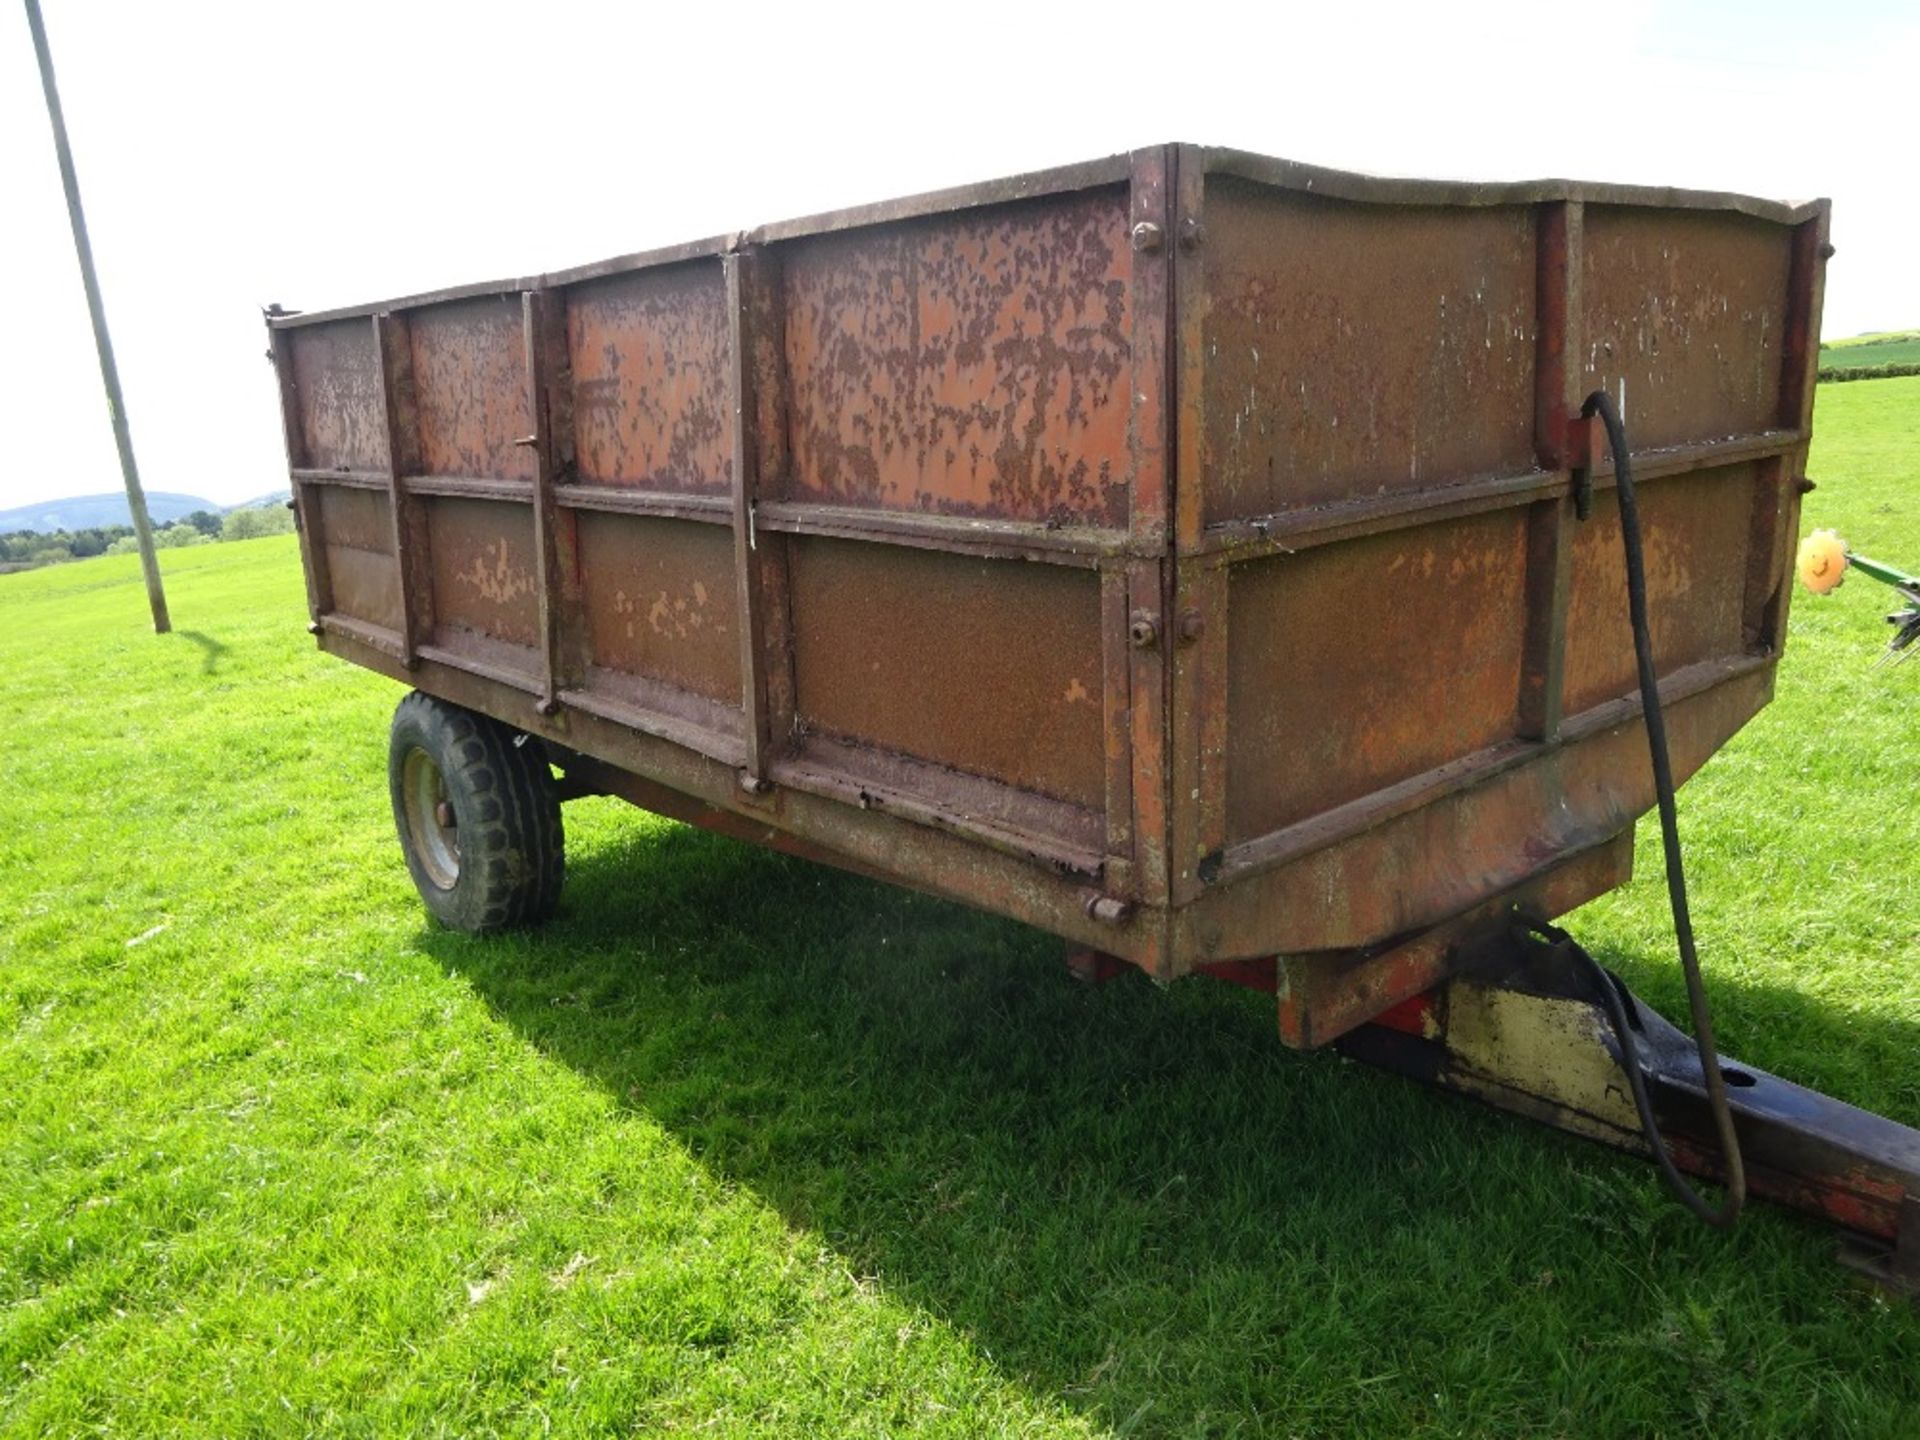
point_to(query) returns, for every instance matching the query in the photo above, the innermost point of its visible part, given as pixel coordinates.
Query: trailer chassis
(1521, 1026)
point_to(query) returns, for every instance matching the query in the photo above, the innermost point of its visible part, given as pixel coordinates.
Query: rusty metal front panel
(1413, 645)
(357, 526)
(1696, 547)
(660, 601)
(1686, 317)
(992, 667)
(649, 358)
(1422, 860)
(972, 364)
(483, 571)
(470, 384)
(1352, 667)
(1354, 350)
(342, 418)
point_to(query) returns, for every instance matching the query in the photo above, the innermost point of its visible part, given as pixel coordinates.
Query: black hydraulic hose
(1601, 404)
(1614, 998)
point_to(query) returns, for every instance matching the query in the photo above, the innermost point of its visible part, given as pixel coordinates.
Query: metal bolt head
(1192, 625)
(1190, 233)
(1143, 630)
(1148, 237)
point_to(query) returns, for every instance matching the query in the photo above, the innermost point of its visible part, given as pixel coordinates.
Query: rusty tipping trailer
(1177, 552)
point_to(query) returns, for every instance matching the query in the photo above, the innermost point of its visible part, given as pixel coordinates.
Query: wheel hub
(431, 823)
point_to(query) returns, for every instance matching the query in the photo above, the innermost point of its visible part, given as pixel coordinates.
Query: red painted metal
(1095, 967)
(1411, 1016)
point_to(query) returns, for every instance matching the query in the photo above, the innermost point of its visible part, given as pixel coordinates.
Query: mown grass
(740, 1146)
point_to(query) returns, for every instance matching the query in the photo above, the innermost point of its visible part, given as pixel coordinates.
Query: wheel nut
(443, 815)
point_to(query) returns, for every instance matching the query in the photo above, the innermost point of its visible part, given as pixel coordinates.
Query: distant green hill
(1860, 352)
(81, 512)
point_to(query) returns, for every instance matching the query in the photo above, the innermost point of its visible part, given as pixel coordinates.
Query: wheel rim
(432, 827)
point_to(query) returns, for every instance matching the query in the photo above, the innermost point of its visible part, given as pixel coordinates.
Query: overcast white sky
(347, 151)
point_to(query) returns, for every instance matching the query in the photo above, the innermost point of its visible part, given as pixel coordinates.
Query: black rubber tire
(508, 848)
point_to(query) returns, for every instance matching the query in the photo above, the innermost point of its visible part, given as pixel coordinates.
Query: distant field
(742, 1147)
(1892, 347)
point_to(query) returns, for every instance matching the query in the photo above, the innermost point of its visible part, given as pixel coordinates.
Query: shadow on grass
(211, 649)
(1134, 1200)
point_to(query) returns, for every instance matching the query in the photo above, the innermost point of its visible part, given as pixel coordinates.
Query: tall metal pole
(109, 373)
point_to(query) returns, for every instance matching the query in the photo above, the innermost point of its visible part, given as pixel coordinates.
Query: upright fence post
(109, 373)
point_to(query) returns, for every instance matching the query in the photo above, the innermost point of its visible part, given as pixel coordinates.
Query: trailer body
(1176, 552)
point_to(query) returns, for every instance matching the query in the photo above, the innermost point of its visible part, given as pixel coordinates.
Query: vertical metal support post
(1116, 726)
(313, 550)
(1800, 350)
(1776, 512)
(1762, 598)
(757, 392)
(1558, 248)
(745, 319)
(1143, 646)
(96, 311)
(1196, 623)
(393, 359)
(541, 317)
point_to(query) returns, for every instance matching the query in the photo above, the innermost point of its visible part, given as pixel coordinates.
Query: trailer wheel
(478, 815)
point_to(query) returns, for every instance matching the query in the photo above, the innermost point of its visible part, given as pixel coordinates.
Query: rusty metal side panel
(661, 601)
(873, 839)
(484, 580)
(971, 364)
(470, 383)
(650, 360)
(336, 384)
(992, 667)
(1354, 666)
(1686, 320)
(356, 526)
(1355, 350)
(1696, 536)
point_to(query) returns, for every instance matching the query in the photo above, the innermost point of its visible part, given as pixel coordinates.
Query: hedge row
(1868, 372)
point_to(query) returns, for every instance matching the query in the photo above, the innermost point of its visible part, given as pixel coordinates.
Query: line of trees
(25, 549)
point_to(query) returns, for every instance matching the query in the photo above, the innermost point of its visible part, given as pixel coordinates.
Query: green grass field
(739, 1146)
(1892, 347)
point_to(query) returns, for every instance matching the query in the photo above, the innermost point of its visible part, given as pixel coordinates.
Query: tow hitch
(1526, 1026)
